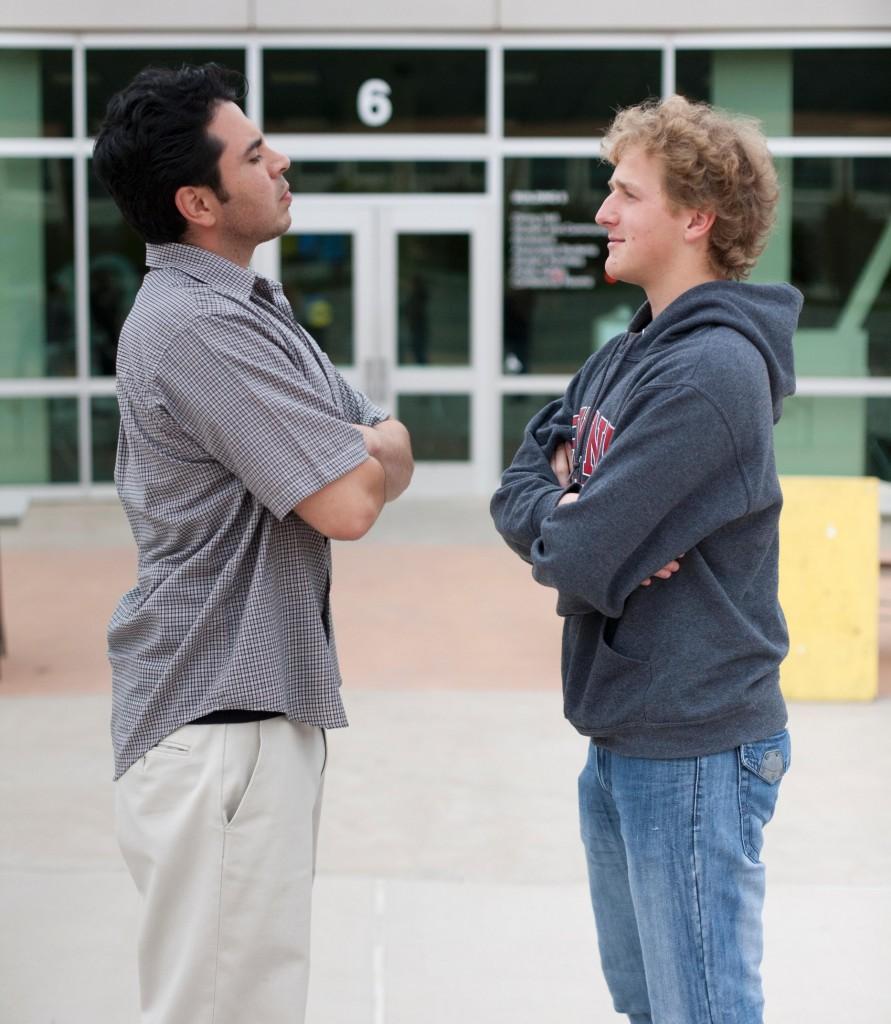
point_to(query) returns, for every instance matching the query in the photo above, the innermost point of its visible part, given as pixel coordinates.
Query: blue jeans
(677, 883)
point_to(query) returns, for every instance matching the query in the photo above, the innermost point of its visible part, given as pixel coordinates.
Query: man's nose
(282, 163)
(604, 214)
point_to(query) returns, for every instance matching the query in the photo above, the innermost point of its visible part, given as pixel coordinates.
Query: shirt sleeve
(360, 408)
(240, 397)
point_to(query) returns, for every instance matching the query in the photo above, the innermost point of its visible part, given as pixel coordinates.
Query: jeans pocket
(762, 766)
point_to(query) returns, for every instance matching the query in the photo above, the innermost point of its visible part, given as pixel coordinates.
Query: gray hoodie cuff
(544, 507)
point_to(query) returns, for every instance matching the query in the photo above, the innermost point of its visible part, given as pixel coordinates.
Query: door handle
(376, 380)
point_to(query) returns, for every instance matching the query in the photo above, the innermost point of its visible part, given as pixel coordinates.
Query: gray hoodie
(672, 429)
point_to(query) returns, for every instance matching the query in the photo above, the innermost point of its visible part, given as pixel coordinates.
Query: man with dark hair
(241, 452)
(662, 446)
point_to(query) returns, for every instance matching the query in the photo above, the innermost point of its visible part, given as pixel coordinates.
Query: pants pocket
(762, 766)
(174, 749)
(242, 749)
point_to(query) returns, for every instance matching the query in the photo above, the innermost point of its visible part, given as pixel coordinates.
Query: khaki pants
(218, 826)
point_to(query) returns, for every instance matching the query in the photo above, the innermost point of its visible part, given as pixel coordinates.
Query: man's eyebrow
(615, 182)
(256, 144)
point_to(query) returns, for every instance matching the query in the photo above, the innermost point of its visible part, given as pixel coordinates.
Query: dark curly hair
(154, 140)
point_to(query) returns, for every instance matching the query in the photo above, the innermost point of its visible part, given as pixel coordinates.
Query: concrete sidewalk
(451, 880)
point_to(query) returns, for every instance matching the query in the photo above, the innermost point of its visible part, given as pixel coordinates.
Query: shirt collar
(217, 272)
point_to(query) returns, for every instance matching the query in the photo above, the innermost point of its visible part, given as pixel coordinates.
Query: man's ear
(192, 203)
(698, 224)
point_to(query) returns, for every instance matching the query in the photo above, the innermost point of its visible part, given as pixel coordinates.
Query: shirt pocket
(762, 766)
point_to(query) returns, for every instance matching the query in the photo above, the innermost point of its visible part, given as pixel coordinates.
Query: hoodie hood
(765, 314)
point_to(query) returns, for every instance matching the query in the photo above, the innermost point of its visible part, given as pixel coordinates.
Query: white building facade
(445, 170)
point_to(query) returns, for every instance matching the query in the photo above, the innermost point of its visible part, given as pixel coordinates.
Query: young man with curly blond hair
(662, 449)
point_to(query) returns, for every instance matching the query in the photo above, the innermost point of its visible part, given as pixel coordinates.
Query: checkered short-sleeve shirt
(230, 416)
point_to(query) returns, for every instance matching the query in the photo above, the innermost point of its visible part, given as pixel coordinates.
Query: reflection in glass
(317, 276)
(408, 176)
(36, 90)
(558, 305)
(38, 441)
(841, 260)
(105, 419)
(575, 92)
(108, 71)
(116, 269)
(374, 90)
(795, 92)
(439, 426)
(434, 300)
(516, 412)
(878, 438)
(835, 436)
(37, 329)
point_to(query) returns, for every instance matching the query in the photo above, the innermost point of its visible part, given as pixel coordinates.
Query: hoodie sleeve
(529, 490)
(671, 477)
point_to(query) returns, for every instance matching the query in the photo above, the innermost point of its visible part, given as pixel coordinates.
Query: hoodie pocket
(603, 690)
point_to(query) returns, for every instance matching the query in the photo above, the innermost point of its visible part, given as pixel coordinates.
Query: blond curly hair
(712, 161)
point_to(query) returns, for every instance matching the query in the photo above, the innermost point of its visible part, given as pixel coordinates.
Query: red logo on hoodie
(600, 434)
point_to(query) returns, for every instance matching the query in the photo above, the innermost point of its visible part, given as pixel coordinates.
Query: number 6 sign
(373, 103)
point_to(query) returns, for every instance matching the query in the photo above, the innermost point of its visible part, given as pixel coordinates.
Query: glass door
(393, 290)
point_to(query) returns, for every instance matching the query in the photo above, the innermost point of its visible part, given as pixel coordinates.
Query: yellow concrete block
(829, 587)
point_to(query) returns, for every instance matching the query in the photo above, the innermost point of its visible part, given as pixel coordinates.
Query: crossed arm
(561, 467)
(347, 508)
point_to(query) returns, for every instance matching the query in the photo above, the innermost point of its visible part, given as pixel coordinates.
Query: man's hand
(665, 573)
(389, 443)
(561, 463)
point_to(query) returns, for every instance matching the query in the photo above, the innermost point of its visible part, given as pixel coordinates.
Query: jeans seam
(698, 896)
(745, 825)
(601, 772)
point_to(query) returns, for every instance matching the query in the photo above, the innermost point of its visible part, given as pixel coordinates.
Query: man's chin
(612, 273)
(280, 229)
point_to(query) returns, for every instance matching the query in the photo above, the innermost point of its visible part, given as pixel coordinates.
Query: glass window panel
(439, 426)
(106, 419)
(795, 92)
(38, 441)
(842, 92)
(516, 412)
(835, 437)
(37, 328)
(574, 92)
(108, 71)
(374, 90)
(419, 176)
(840, 254)
(878, 438)
(755, 82)
(36, 90)
(434, 300)
(317, 276)
(558, 306)
(117, 267)
(693, 74)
